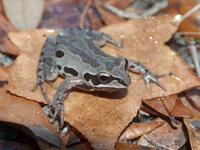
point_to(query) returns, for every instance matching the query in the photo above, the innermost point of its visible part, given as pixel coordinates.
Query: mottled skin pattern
(75, 55)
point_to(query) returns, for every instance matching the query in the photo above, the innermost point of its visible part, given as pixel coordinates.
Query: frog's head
(112, 77)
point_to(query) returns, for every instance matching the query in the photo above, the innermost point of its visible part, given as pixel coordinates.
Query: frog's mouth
(103, 88)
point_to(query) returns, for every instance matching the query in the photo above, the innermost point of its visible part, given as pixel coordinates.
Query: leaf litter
(102, 117)
(21, 111)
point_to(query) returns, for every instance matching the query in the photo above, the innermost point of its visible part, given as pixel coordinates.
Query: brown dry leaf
(190, 99)
(165, 137)
(126, 146)
(23, 43)
(191, 24)
(171, 105)
(24, 67)
(101, 119)
(120, 4)
(24, 14)
(136, 130)
(1, 7)
(193, 96)
(28, 113)
(5, 27)
(193, 127)
(3, 74)
(81, 146)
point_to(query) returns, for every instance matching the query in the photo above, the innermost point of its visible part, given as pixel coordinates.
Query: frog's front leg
(61, 93)
(47, 69)
(148, 76)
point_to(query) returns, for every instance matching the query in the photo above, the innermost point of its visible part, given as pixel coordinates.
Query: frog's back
(75, 55)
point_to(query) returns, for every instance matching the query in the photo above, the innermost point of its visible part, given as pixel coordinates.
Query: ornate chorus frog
(75, 55)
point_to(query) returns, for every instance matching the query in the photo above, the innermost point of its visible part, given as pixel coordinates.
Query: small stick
(121, 13)
(151, 11)
(83, 15)
(193, 50)
(187, 33)
(190, 12)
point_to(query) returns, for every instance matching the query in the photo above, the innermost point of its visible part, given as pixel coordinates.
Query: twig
(83, 15)
(193, 50)
(151, 11)
(190, 12)
(187, 33)
(156, 8)
(121, 13)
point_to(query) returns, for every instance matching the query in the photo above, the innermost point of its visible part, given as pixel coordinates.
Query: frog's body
(75, 55)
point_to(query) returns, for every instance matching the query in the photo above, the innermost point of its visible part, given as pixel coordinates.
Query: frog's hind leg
(40, 81)
(101, 38)
(47, 69)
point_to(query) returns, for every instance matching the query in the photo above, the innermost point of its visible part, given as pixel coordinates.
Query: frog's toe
(48, 110)
(58, 114)
(150, 78)
(35, 85)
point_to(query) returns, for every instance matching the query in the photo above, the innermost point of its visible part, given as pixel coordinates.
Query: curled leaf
(24, 14)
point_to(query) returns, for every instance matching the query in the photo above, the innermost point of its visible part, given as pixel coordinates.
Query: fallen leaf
(28, 113)
(101, 119)
(127, 146)
(81, 146)
(22, 40)
(3, 74)
(120, 4)
(24, 14)
(193, 127)
(164, 137)
(190, 99)
(8, 47)
(136, 130)
(190, 24)
(193, 97)
(5, 27)
(1, 7)
(169, 106)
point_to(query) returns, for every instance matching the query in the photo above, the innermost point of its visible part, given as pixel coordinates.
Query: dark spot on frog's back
(70, 71)
(59, 54)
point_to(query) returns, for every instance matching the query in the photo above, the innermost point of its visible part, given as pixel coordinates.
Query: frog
(75, 55)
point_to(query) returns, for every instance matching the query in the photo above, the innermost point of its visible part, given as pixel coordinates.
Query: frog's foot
(148, 76)
(151, 78)
(58, 114)
(48, 110)
(40, 83)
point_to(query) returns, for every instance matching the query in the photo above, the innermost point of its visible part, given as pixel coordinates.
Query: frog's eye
(104, 78)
